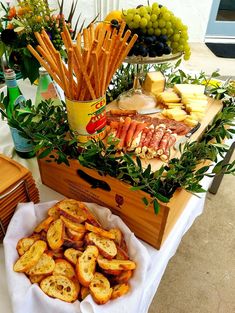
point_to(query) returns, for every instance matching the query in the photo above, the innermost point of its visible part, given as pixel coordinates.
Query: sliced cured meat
(164, 142)
(165, 156)
(155, 141)
(130, 133)
(146, 142)
(142, 139)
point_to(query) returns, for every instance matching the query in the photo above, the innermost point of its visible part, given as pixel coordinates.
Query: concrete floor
(200, 278)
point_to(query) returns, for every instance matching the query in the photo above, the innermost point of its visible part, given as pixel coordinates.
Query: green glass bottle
(23, 147)
(46, 88)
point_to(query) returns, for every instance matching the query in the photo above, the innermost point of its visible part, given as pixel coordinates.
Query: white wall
(194, 13)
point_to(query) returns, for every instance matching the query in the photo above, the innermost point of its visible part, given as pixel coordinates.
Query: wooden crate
(117, 196)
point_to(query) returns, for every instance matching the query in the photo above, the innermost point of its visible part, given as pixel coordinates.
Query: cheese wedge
(154, 82)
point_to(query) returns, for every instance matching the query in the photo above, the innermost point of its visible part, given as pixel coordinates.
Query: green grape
(184, 34)
(168, 25)
(153, 17)
(174, 45)
(187, 56)
(155, 5)
(150, 24)
(147, 16)
(166, 16)
(149, 9)
(151, 31)
(176, 37)
(131, 25)
(164, 10)
(129, 18)
(155, 24)
(180, 48)
(144, 30)
(161, 23)
(157, 32)
(143, 22)
(164, 31)
(136, 18)
(143, 11)
(170, 31)
(136, 25)
(182, 41)
(131, 11)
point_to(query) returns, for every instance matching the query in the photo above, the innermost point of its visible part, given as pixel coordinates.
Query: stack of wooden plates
(16, 185)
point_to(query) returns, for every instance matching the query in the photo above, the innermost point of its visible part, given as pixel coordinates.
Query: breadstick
(70, 77)
(62, 75)
(78, 61)
(92, 32)
(105, 72)
(79, 42)
(48, 58)
(96, 74)
(46, 66)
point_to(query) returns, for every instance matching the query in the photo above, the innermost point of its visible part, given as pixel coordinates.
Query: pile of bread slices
(70, 256)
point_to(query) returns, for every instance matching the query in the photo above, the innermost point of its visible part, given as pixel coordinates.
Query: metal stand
(218, 178)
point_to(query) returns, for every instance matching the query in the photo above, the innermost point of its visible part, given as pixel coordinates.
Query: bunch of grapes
(160, 32)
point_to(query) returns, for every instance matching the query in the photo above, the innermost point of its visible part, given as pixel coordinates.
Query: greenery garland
(47, 126)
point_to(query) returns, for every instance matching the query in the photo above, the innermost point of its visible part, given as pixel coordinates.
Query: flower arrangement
(17, 27)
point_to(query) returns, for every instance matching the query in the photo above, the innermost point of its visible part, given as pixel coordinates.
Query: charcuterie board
(214, 106)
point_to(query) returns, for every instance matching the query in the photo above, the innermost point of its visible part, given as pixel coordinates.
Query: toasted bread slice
(63, 267)
(54, 212)
(45, 265)
(44, 225)
(71, 209)
(55, 234)
(76, 244)
(36, 279)
(120, 290)
(112, 272)
(84, 292)
(115, 264)
(56, 254)
(74, 235)
(25, 243)
(122, 278)
(72, 225)
(60, 287)
(121, 254)
(99, 231)
(100, 288)
(106, 246)
(30, 257)
(91, 218)
(85, 267)
(72, 255)
(117, 235)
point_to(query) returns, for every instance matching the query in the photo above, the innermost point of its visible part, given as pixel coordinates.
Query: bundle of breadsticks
(92, 59)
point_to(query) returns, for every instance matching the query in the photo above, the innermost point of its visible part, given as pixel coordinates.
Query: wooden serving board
(214, 107)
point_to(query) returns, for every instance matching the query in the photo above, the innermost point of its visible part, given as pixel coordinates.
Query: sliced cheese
(183, 89)
(190, 121)
(175, 114)
(168, 96)
(154, 82)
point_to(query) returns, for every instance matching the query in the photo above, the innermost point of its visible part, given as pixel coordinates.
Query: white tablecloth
(159, 259)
